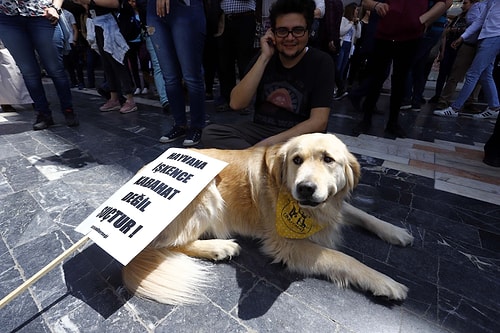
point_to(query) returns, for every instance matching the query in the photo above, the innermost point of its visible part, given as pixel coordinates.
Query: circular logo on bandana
(291, 220)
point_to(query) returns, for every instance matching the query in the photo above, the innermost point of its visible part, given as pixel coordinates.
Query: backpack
(128, 24)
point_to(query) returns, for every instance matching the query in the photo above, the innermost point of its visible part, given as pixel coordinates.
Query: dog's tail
(166, 276)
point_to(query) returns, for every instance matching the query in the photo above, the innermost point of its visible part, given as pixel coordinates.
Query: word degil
(120, 220)
(139, 201)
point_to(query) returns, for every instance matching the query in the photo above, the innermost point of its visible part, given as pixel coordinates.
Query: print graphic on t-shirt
(281, 106)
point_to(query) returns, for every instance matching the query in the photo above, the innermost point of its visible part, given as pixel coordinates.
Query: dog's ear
(352, 171)
(275, 159)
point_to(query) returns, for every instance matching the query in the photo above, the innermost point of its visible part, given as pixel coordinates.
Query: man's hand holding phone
(267, 43)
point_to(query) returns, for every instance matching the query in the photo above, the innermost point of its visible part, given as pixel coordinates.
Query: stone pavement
(432, 183)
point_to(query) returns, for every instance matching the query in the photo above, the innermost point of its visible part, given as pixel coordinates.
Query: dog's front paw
(400, 236)
(391, 289)
(224, 249)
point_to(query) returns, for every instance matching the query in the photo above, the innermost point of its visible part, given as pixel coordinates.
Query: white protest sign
(135, 214)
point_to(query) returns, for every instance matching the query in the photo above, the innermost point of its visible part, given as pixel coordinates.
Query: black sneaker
(193, 137)
(340, 95)
(175, 133)
(71, 118)
(42, 122)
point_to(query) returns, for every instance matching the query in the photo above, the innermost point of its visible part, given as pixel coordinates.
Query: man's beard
(292, 56)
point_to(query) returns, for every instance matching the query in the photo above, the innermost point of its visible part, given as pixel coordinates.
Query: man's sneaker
(42, 122)
(71, 118)
(193, 137)
(339, 95)
(416, 106)
(487, 114)
(405, 105)
(175, 133)
(128, 106)
(448, 112)
(110, 106)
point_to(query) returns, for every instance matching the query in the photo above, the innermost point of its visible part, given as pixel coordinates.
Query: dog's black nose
(306, 189)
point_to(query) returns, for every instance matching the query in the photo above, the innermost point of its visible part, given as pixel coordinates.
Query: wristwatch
(58, 10)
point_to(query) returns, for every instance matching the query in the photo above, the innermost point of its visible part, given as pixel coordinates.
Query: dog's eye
(328, 159)
(297, 160)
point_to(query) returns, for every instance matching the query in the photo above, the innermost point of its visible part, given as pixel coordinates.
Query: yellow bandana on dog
(291, 220)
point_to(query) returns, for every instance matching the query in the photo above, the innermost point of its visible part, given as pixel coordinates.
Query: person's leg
(227, 58)
(236, 136)
(132, 57)
(188, 36)
(492, 147)
(41, 33)
(14, 35)
(445, 67)
(402, 61)
(463, 60)
(419, 72)
(487, 51)
(376, 74)
(157, 74)
(244, 46)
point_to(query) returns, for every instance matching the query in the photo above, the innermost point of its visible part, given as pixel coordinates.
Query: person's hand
(381, 9)
(331, 46)
(267, 43)
(51, 14)
(456, 43)
(162, 7)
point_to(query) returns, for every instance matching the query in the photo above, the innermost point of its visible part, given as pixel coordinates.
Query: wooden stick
(42, 272)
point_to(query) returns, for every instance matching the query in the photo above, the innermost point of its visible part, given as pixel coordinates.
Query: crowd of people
(286, 60)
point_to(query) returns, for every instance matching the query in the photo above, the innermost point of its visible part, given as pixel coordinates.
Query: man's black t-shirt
(285, 96)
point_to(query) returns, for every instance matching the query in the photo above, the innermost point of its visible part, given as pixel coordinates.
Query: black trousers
(385, 52)
(235, 46)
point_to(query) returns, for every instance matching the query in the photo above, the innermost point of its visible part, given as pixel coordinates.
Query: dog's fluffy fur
(317, 170)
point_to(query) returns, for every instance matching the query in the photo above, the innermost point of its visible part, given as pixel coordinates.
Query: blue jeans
(158, 75)
(341, 63)
(178, 39)
(481, 70)
(22, 36)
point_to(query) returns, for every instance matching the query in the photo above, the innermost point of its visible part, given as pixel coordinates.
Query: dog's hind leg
(386, 231)
(213, 249)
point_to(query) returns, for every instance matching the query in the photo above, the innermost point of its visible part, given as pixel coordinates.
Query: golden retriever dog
(291, 196)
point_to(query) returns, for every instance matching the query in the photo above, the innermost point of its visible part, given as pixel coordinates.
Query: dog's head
(315, 168)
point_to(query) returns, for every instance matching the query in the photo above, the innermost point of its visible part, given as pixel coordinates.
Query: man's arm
(317, 122)
(243, 92)
(435, 12)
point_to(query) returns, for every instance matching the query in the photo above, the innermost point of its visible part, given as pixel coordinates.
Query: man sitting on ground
(292, 85)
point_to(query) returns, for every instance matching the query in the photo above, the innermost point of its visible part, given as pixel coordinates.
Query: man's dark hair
(304, 7)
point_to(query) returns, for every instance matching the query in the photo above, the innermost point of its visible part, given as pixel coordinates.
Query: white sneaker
(144, 91)
(448, 112)
(137, 91)
(487, 114)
